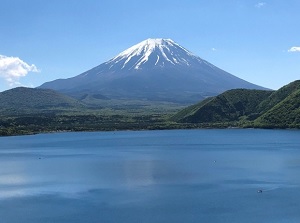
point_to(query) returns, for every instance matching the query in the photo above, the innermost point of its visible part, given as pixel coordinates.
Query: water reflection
(139, 173)
(12, 180)
(169, 176)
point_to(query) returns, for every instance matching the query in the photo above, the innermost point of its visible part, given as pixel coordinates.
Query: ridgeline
(247, 108)
(31, 111)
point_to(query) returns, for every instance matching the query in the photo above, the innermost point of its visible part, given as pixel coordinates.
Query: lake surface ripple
(210, 176)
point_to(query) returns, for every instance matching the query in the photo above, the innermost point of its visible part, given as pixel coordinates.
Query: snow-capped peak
(154, 52)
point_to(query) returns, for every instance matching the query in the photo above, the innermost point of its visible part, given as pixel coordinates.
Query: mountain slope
(285, 114)
(255, 108)
(21, 99)
(228, 106)
(279, 96)
(153, 70)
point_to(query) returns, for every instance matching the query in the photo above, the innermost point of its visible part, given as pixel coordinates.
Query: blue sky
(40, 41)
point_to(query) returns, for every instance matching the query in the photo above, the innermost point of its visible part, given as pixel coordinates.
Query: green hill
(252, 108)
(27, 110)
(285, 114)
(226, 107)
(30, 100)
(278, 96)
(190, 110)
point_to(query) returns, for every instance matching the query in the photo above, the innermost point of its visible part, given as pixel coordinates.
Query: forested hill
(27, 111)
(31, 100)
(253, 108)
(286, 112)
(229, 106)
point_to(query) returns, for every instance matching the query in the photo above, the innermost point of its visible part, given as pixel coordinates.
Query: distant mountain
(257, 108)
(23, 100)
(153, 70)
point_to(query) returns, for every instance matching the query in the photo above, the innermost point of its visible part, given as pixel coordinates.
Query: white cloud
(294, 49)
(260, 4)
(13, 68)
(213, 49)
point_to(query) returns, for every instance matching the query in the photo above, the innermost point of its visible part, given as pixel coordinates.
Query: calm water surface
(151, 177)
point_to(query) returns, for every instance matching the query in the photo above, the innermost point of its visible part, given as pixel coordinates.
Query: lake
(210, 176)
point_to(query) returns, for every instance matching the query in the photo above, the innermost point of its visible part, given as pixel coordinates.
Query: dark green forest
(32, 111)
(248, 108)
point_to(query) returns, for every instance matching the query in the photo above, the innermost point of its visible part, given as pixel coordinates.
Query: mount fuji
(153, 70)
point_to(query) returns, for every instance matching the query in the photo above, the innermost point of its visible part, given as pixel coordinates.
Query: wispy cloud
(294, 49)
(213, 49)
(13, 68)
(260, 4)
